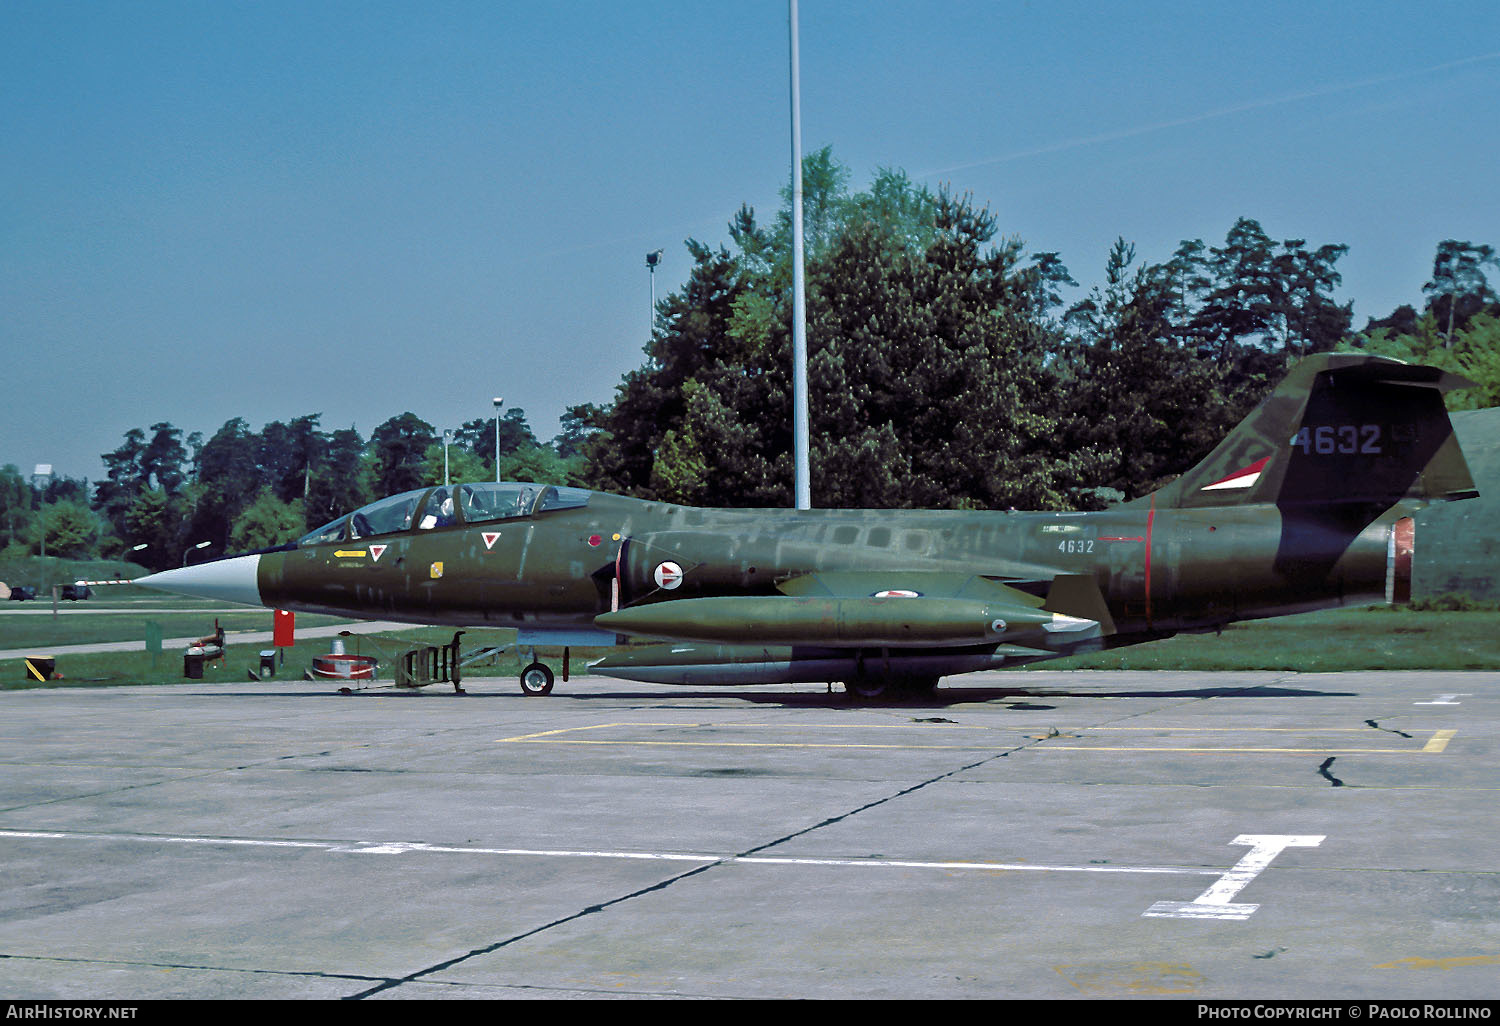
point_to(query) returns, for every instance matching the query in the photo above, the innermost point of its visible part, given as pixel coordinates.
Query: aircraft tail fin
(1341, 428)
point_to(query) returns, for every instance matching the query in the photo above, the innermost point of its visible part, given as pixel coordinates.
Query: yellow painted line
(552, 737)
(1244, 730)
(1435, 745)
(1438, 741)
(1133, 978)
(782, 744)
(1233, 751)
(1418, 962)
(564, 730)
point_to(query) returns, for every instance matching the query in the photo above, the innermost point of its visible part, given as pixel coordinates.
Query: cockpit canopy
(447, 505)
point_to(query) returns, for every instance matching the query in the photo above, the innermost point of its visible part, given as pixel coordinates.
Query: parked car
(22, 592)
(74, 592)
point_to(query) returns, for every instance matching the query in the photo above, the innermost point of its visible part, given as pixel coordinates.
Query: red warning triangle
(376, 551)
(490, 537)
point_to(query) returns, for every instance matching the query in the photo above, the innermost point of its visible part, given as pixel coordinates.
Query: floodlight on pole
(499, 401)
(189, 552)
(652, 259)
(447, 437)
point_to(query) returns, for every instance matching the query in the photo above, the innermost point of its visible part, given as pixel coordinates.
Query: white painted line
(420, 848)
(1447, 699)
(1215, 903)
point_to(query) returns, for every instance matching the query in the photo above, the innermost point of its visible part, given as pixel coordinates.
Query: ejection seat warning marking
(490, 537)
(1216, 902)
(376, 551)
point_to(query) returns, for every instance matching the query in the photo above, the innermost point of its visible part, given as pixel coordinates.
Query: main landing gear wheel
(867, 689)
(536, 679)
(885, 689)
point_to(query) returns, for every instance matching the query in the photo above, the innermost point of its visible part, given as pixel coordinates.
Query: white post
(802, 487)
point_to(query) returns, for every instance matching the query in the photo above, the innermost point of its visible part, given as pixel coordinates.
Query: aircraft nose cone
(229, 580)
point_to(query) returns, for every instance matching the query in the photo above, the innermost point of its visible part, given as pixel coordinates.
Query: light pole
(652, 259)
(802, 490)
(499, 402)
(189, 552)
(447, 437)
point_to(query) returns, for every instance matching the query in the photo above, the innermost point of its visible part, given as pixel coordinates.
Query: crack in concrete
(1323, 772)
(700, 870)
(306, 973)
(664, 884)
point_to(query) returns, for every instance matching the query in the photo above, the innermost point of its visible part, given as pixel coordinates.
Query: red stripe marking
(1254, 468)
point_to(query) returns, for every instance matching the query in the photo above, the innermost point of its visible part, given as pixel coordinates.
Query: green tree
(579, 424)
(929, 356)
(400, 447)
(478, 436)
(932, 369)
(539, 463)
(1138, 397)
(289, 455)
(157, 520)
(343, 480)
(463, 465)
(692, 331)
(228, 478)
(1458, 281)
(16, 514)
(68, 529)
(266, 522)
(123, 479)
(164, 460)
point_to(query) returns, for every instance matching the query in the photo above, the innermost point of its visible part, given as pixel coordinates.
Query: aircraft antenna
(803, 488)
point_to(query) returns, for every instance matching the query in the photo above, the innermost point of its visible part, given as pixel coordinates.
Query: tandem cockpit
(425, 509)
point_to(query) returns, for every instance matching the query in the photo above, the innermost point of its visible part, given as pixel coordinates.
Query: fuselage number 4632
(1347, 439)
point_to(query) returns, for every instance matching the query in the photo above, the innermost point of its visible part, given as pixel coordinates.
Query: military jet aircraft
(1305, 505)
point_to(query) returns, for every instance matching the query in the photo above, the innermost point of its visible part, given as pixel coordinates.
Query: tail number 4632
(1346, 439)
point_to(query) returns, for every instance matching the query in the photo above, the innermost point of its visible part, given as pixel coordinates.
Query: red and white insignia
(668, 575)
(376, 551)
(897, 593)
(1242, 478)
(490, 537)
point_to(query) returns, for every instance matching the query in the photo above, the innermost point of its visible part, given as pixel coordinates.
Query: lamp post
(652, 259)
(189, 552)
(802, 488)
(499, 402)
(447, 437)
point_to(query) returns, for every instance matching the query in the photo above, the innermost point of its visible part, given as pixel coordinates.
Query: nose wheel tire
(536, 679)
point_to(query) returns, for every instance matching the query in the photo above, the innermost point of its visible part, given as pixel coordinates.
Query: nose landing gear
(536, 679)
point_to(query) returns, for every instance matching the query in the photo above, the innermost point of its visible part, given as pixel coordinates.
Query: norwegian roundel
(897, 593)
(668, 575)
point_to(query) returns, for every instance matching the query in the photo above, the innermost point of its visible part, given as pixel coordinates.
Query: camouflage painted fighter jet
(1307, 504)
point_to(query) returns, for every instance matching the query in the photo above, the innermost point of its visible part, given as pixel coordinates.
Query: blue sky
(264, 210)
